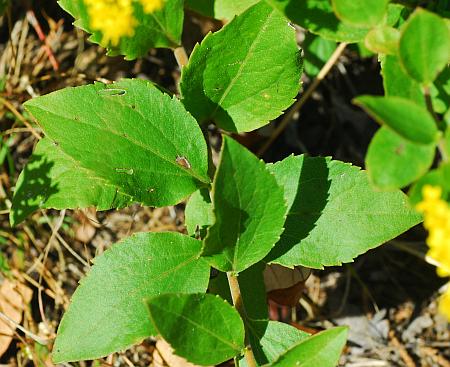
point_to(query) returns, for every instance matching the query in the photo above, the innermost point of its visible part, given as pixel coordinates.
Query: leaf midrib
(243, 64)
(130, 140)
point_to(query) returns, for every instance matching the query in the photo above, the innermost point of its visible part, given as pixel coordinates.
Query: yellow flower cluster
(436, 213)
(115, 18)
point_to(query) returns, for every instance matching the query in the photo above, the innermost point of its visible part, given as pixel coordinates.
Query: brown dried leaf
(14, 297)
(284, 285)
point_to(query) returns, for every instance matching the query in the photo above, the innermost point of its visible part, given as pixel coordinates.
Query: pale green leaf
(162, 28)
(322, 349)
(383, 40)
(202, 328)
(131, 139)
(397, 83)
(437, 177)
(406, 118)
(233, 80)
(424, 46)
(367, 13)
(108, 313)
(394, 162)
(198, 213)
(334, 213)
(249, 210)
(440, 92)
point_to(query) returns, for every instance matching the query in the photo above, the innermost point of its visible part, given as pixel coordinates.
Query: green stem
(441, 142)
(239, 305)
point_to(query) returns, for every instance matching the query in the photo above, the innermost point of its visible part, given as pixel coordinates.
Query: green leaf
(367, 13)
(424, 46)
(394, 162)
(199, 212)
(220, 9)
(108, 313)
(202, 328)
(317, 51)
(334, 213)
(249, 210)
(3, 5)
(437, 177)
(128, 141)
(224, 80)
(440, 92)
(253, 292)
(397, 83)
(162, 28)
(51, 179)
(383, 40)
(322, 349)
(270, 339)
(409, 120)
(318, 17)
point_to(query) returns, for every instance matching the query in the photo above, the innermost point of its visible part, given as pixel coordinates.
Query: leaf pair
(333, 213)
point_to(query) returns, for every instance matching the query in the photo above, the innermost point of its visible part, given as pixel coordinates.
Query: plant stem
(239, 305)
(441, 142)
(299, 104)
(181, 56)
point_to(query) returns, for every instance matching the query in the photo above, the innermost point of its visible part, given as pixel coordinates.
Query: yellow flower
(444, 303)
(114, 18)
(151, 6)
(436, 212)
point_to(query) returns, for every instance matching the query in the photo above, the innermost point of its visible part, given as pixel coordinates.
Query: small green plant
(109, 146)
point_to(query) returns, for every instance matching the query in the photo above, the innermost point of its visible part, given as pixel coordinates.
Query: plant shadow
(33, 188)
(310, 199)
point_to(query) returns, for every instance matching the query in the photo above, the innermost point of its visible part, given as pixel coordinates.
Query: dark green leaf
(3, 5)
(424, 46)
(159, 29)
(220, 9)
(232, 79)
(406, 118)
(394, 162)
(367, 13)
(317, 52)
(202, 328)
(127, 141)
(270, 339)
(334, 213)
(322, 349)
(249, 211)
(107, 313)
(318, 17)
(253, 292)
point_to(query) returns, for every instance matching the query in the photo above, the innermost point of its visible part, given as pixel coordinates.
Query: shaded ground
(388, 296)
